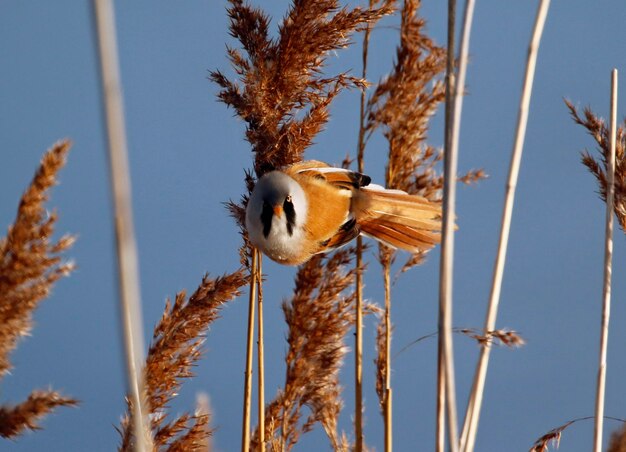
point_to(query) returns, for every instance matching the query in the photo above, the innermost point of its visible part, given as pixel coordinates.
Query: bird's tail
(398, 219)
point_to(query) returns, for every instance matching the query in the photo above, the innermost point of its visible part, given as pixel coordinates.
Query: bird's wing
(339, 177)
(348, 231)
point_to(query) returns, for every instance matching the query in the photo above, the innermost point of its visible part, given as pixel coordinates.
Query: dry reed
(319, 315)
(472, 414)
(30, 265)
(505, 337)
(358, 336)
(260, 351)
(554, 435)
(176, 347)
(446, 387)
(281, 92)
(247, 385)
(618, 441)
(126, 247)
(608, 270)
(598, 129)
(401, 106)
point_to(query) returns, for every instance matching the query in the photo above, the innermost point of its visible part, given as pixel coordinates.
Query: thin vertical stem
(358, 354)
(608, 256)
(446, 391)
(473, 410)
(130, 295)
(358, 346)
(388, 401)
(459, 86)
(261, 353)
(247, 391)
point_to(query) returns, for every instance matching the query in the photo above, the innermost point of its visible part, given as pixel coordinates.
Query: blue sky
(187, 156)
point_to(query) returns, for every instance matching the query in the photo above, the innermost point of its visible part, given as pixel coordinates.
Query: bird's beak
(278, 210)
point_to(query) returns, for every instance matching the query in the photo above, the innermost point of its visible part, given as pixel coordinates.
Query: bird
(310, 207)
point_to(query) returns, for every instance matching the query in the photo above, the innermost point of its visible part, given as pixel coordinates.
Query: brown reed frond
(175, 349)
(553, 436)
(280, 92)
(319, 315)
(508, 338)
(30, 262)
(14, 420)
(406, 99)
(618, 440)
(598, 129)
(402, 106)
(381, 362)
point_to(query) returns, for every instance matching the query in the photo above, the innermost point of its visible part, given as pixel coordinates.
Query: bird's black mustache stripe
(268, 213)
(290, 213)
(266, 218)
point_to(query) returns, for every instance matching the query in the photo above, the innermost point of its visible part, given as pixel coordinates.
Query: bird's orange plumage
(396, 218)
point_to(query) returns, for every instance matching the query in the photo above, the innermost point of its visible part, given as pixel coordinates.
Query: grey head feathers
(275, 214)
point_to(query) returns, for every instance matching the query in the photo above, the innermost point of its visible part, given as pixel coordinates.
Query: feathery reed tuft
(15, 419)
(403, 104)
(618, 440)
(319, 315)
(507, 338)
(30, 264)
(553, 436)
(175, 349)
(600, 132)
(281, 93)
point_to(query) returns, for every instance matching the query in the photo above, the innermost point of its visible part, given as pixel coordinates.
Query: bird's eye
(289, 199)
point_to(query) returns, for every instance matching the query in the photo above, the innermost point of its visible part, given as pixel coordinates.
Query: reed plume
(30, 264)
(176, 348)
(598, 129)
(401, 106)
(618, 440)
(507, 338)
(319, 315)
(281, 92)
(554, 436)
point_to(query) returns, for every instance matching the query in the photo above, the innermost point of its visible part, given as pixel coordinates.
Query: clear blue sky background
(187, 156)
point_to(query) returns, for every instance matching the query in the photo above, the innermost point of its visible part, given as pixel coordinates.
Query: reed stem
(473, 410)
(608, 256)
(358, 354)
(247, 392)
(128, 263)
(388, 394)
(358, 346)
(446, 391)
(261, 354)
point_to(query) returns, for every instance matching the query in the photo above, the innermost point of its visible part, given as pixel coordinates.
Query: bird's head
(276, 212)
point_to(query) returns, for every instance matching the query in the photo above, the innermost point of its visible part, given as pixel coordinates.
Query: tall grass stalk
(358, 346)
(608, 256)
(446, 392)
(247, 391)
(261, 353)
(472, 415)
(388, 394)
(130, 297)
